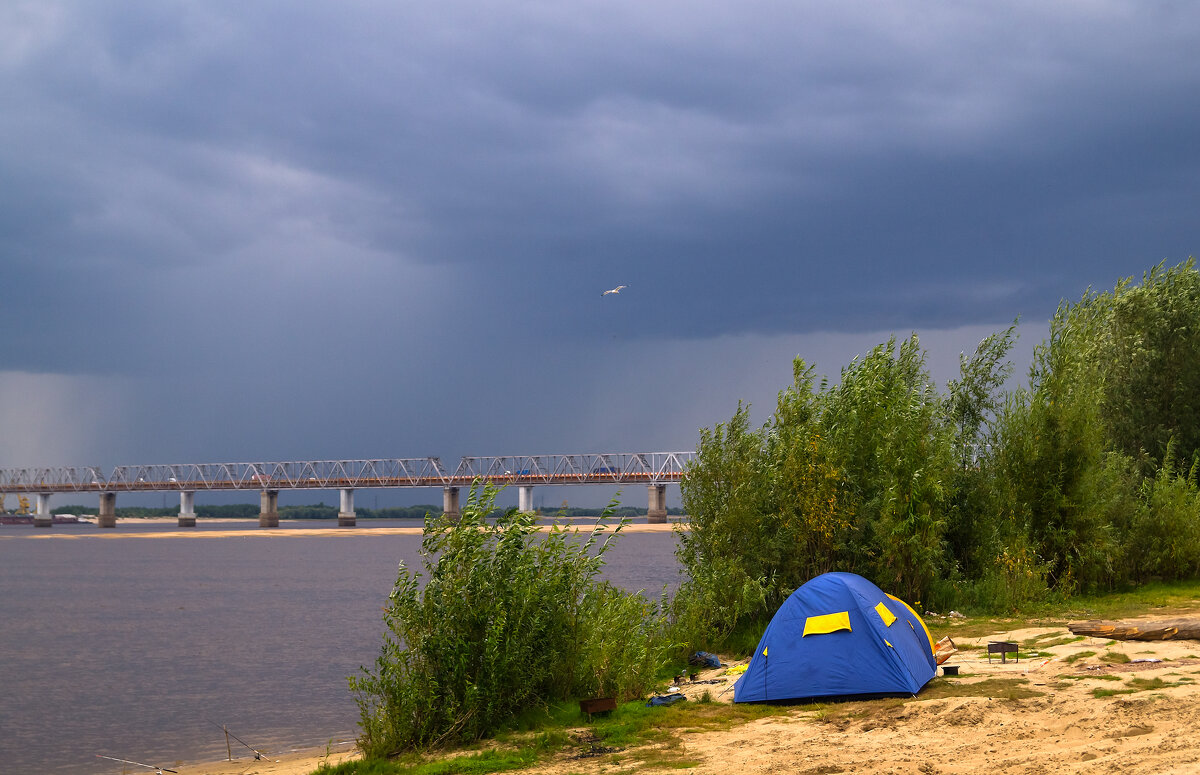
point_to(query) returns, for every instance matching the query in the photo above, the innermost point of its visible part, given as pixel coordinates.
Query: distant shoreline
(297, 532)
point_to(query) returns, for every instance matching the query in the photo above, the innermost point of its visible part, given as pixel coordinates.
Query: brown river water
(139, 642)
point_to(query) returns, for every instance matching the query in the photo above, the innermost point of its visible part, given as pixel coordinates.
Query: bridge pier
(346, 516)
(107, 516)
(268, 512)
(187, 508)
(657, 512)
(42, 516)
(525, 498)
(450, 503)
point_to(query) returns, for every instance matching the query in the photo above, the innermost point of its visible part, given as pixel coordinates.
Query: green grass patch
(1091, 677)
(996, 688)
(1058, 641)
(1073, 658)
(842, 713)
(470, 764)
(1179, 596)
(1032, 654)
(976, 627)
(632, 723)
(1137, 685)
(653, 737)
(558, 715)
(1114, 657)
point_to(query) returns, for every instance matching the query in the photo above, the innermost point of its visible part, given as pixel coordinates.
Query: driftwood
(1170, 629)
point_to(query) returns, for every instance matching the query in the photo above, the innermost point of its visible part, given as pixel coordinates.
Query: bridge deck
(527, 470)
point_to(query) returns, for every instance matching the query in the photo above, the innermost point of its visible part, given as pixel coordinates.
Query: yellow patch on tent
(928, 634)
(885, 614)
(889, 643)
(826, 623)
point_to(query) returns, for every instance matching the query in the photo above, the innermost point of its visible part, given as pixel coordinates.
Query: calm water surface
(140, 648)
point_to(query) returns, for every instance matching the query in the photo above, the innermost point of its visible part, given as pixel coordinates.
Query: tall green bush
(1161, 540)
(507, 618)
(888, 432)
(1051, 439)
(851, 477)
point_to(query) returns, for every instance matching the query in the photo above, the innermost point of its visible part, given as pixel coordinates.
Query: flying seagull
(614, 290)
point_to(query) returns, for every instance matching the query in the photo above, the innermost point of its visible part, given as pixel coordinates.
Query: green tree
(1151, 364)
(887, 430)
(975, 399)
(727, 549)
(1050, 439)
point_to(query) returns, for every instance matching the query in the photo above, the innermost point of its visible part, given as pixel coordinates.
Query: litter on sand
(944, 649)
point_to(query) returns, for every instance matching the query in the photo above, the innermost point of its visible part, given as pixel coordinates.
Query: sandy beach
(1057, 725)
(293, 763)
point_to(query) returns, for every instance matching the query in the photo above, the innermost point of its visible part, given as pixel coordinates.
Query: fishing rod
(258, 755)
(157, 770)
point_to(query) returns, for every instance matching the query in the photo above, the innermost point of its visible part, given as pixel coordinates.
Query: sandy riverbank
(300, 762)
(1062, 727)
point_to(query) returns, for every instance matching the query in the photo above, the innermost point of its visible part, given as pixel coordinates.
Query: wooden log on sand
(1171, 629)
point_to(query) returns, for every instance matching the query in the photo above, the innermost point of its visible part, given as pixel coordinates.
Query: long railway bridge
(654, 469)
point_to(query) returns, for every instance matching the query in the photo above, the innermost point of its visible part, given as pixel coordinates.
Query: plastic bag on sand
(705, 659)
(943, 649)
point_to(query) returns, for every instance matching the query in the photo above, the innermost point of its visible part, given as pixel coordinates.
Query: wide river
(140, 642)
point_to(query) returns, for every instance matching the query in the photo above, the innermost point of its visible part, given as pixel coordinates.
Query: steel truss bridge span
(650, 468)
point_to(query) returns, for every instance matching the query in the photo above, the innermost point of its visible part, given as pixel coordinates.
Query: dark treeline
(322, 511)
(619, 513)
(251, 511)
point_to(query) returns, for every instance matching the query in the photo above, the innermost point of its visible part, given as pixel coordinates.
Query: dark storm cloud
(250, 206)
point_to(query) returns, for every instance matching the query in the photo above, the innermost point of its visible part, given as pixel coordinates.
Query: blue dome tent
(839, 635)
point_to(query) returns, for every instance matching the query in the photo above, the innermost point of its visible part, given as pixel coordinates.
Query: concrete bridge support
(450, 503)
(187, 508)
(525, 498)
(346, 516)
(268, 512)
(107, 516)
(657, 513)
(42, 516)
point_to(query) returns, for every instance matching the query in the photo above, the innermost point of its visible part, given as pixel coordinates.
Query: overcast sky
(239, 231)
